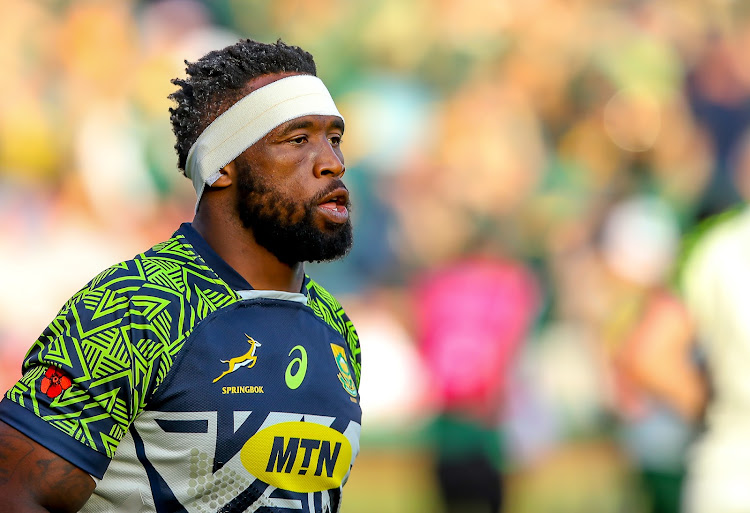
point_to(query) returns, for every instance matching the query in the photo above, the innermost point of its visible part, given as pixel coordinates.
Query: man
(208, 373)
(471, 317)
(691, 351)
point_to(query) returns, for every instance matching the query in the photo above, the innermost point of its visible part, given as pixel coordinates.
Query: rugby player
(209, 373)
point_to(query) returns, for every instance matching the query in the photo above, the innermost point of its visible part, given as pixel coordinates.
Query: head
(283, 168)
(219, 79)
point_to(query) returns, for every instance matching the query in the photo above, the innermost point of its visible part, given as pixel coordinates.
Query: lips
(334, 206)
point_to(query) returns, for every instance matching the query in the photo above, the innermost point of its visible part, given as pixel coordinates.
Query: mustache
(333, 186)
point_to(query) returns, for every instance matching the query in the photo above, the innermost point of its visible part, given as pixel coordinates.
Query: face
(290, 193)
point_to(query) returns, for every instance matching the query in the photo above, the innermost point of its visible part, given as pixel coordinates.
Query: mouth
(334, 205)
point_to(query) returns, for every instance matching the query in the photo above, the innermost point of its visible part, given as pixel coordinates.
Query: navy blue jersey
(183, 389)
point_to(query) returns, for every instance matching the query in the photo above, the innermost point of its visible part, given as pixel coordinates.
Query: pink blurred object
(471, 317)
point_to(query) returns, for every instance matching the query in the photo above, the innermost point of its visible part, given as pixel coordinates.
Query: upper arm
(658, 356)
(32, 478)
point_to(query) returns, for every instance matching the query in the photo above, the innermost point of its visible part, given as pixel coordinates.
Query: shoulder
(327, 307)
(171, 269)
(116, 339)
(166, 290)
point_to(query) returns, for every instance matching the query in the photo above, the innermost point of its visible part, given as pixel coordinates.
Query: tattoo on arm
(37, 479)
(12, 450)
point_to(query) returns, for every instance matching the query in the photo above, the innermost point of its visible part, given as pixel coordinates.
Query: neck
(236, 245)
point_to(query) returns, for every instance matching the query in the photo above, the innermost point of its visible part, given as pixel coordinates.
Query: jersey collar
(225, 271)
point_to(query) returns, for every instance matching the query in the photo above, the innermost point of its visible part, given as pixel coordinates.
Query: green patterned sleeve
(93, 368)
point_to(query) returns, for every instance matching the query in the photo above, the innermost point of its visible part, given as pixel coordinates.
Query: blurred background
(522, 176)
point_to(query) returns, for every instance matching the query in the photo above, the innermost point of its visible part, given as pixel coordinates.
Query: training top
(180, 388)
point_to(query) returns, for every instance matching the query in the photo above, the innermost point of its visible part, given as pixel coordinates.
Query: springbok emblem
(246, 360)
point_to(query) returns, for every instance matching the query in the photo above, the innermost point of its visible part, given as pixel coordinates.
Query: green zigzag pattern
(118, 337)
(330, 310)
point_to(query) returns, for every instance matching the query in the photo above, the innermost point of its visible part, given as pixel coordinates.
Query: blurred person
(690, 351)
(719, 94)
(209, 373)
(638, 244)
(662, 395)
(471, 317)
(714, 283)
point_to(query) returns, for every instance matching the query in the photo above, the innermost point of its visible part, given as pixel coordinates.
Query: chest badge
(246, 360)
(345, 375)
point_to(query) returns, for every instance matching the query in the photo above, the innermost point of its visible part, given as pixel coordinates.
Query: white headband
(245, 122)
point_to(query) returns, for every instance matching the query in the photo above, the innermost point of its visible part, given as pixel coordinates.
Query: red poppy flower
(54, 382)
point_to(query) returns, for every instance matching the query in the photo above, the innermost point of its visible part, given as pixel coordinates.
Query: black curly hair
(216, 81)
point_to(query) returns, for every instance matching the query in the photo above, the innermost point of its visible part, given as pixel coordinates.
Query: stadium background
(583, 138)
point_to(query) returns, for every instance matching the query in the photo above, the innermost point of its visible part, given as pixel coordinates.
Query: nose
(329, 161)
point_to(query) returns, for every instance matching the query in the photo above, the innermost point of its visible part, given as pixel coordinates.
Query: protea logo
(345, 375)
(298, 456)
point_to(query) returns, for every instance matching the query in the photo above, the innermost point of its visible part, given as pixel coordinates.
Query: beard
(286, 228)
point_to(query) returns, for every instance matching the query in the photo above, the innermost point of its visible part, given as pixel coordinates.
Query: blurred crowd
(576, 141)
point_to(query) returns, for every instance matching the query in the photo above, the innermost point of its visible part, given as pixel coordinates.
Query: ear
(227, 177)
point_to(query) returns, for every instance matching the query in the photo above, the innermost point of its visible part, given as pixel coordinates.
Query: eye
(335, 140)
(300, 139)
